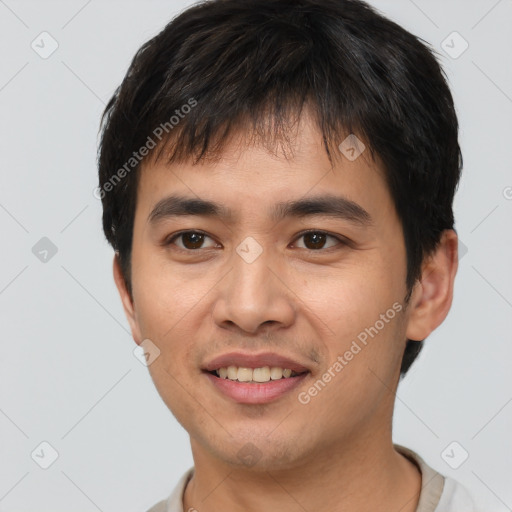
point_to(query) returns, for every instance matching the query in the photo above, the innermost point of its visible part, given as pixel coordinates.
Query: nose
(254, 296)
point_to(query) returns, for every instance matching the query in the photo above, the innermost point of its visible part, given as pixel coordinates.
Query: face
(248, 282)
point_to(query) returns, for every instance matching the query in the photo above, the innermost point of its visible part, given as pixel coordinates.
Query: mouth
(254, 375)
(254, 379)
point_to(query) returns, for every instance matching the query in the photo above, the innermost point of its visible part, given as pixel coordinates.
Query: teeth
(264, 374)
(276, 373)
(244, 374)
(261, 374)
(232, 372)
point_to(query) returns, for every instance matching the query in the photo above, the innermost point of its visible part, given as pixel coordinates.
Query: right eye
(190, 240)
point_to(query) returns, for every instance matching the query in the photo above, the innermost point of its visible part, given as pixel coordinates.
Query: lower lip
(247, 393)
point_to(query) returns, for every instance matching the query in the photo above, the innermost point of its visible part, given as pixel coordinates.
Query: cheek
(362, 305)
(361, 364)
(165, 294)
(173, 311)
(350, 298)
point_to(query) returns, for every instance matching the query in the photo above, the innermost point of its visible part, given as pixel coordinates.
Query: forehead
(250, 177)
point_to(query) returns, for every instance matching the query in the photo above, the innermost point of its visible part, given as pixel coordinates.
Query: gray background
(68, 373)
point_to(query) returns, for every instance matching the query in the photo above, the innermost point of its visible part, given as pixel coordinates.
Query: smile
(255, 375)
(251, 391)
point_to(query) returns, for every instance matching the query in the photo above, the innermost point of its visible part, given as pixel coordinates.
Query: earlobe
(126, 300)
(432, 296)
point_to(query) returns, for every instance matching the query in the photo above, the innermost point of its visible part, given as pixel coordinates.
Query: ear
(433, 293)
(127, 301)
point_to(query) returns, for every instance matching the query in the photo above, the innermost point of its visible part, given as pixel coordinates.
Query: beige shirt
(438, 493)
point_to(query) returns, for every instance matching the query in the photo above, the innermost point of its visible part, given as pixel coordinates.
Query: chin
(258, 452)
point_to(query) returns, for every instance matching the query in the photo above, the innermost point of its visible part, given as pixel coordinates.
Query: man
(277, 178)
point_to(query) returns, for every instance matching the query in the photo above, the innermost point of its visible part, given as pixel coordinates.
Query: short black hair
(225, 66)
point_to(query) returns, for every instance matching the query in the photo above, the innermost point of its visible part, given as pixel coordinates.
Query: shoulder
(161, 506)
(455, 498)
(174, 503)
(439, 493)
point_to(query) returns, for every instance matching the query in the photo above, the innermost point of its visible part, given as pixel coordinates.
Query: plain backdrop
(68, 373)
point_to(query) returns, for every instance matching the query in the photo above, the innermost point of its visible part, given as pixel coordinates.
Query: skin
(306, 304)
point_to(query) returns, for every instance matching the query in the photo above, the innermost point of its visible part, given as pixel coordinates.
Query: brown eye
(190, 240)
(315, 240)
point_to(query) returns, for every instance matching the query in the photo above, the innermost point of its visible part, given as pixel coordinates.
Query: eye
(190, 240)
(315, 240)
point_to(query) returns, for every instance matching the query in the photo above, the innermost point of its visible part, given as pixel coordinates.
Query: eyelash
(341, 241)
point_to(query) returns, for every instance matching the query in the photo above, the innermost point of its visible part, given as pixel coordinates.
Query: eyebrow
(327, 205)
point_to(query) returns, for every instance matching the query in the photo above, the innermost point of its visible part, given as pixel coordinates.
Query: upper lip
(248, 360)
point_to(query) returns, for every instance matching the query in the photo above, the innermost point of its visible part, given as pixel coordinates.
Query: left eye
(315, 240)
